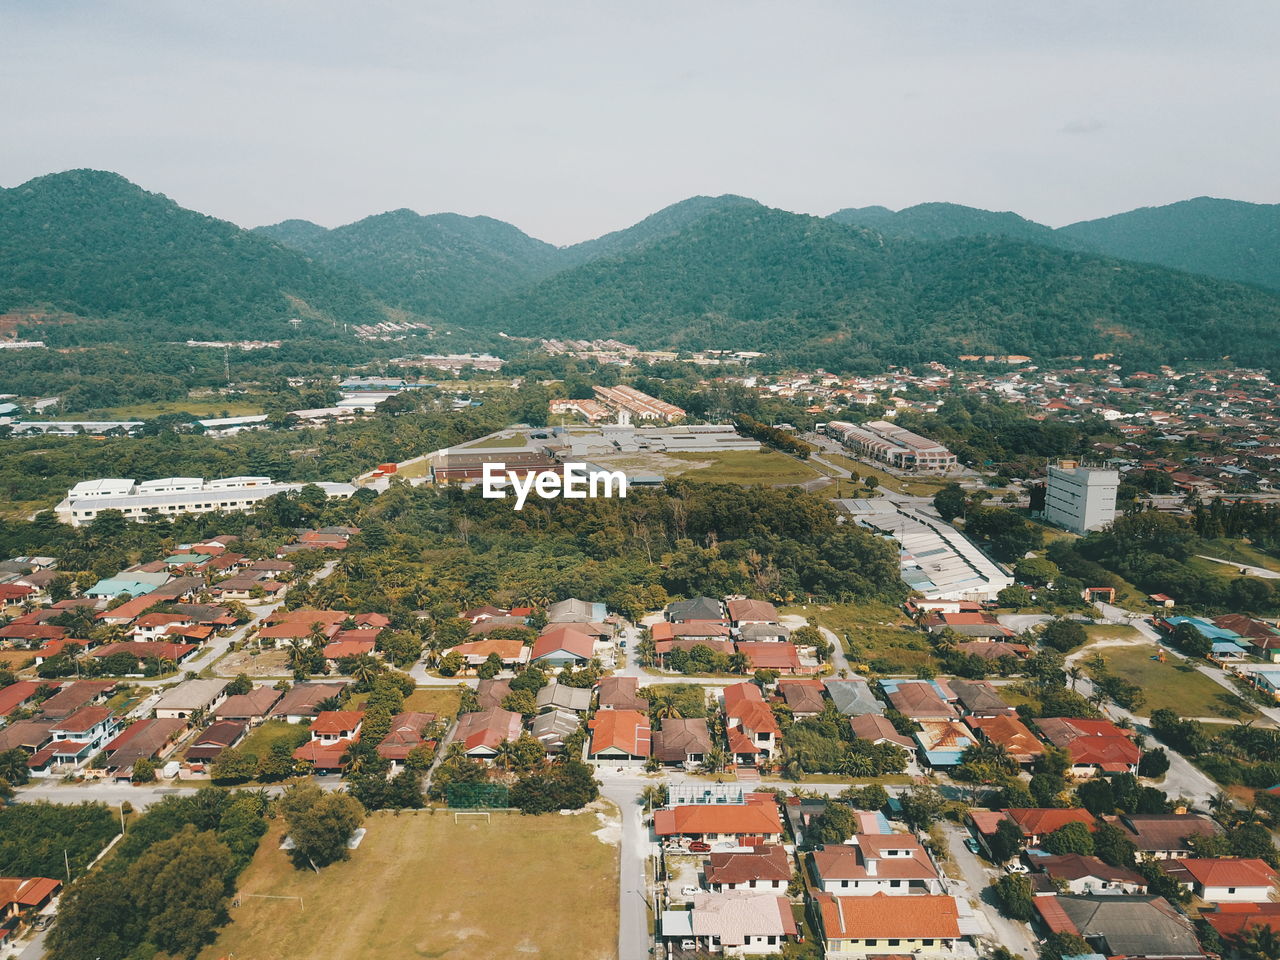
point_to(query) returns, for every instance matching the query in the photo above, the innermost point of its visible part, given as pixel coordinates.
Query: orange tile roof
(744, 819)
(507, 650)
(1224, 872)
(881, 916)
(1041, 821)
(336, 721)
(338, 649)
(563, 638)
(625, 730)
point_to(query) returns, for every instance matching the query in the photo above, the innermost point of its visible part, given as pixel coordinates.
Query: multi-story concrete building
(1079, 498)
(175, 495)
(893, 445)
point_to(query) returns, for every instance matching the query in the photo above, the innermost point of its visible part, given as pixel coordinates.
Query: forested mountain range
(434, 265)
(856, 289)
(93, 245)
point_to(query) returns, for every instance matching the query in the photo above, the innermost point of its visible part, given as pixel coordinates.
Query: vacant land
(877, 635)
(913, 486)
(421, 885)
(267, 663)
(16, 659)
(201, 407)
(261, 737)
(498, 441)
(442, 701)
(1175, 684)
(746, 466)
(1240, 551)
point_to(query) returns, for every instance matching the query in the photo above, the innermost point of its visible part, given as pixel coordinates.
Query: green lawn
(1174, 684)
(515, 440)
(880, 636)
(1111, 631)
(442, 701)
(202, 407)
(261, 737)
(746, 466)
(915, 486)
(1240, 551)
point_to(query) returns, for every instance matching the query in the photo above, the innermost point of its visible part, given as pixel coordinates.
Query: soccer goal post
(483, 814)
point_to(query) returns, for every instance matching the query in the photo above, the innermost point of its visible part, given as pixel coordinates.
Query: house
(853, 698)
(761, 868)
(752, 730)
(943, 741)
(1076, 873)
(1222, 880)
(74, 740)
(486, 612)
(143, 740)
(20, 897)
(1095, 746)
(620, 693)
(691, 630)
(153, 626)
(491, 693)
(881, 925)
(979, 699)
(1164, 836)
(301, 702)
(512, 653)
(72, 696)
(554, 727)
(579, 611)
(894, 864)
(878, 729)
(764, 632)
(340, 647)
(191, 696)
(218, 736)
(1140, 927)
(699, 608)
(747, 824)
(559, 696)
(918, 700)
(619, 735)
(1036, 823)
(333, 733)
(23, 694)
(142, 651)
(481, 732)
(1234, 922)
(770, 655)
(748, 612)
(252, 707)
(803, 697)
(490, 625)
(562, 646)
(682, 742)
(30, 735)
(405, 736)
(1011, 733)
(735, 924)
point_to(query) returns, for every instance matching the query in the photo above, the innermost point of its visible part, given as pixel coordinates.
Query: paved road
(633, 888)
(978, 877)
(1244, 568)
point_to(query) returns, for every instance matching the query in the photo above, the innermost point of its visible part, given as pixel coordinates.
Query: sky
(571, 119)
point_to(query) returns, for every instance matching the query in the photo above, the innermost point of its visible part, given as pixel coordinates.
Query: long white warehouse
(175, 495)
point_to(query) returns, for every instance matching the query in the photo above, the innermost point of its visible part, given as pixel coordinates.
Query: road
(635, 848)
(978, 878)
(1244, 568)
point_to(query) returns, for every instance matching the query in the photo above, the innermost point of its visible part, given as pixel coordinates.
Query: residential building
(481, 732)
(738, 923)
(753, 823)
(894, 864)
(620, 693)
(218, 736)
(682, 742)
(301, 702)
(251, 708)
(1222, 880)
(753, 731)
(191, 696)
(559, 696)
(1095, 746)
(1135, 927)
(562, 646)
(554, 727)
(855, 928)
(1077, 873)
(853, 697)
(877, 728)
(1010, 733)
(619, 736)
(761, 868)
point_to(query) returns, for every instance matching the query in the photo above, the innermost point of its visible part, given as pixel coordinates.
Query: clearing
(255, 664)
(442, 701)
(421, 885)
(261, 737)
(744, 466)
(878, 635)
(1175, 684)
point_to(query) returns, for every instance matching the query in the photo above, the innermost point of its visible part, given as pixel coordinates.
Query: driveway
(978, 877)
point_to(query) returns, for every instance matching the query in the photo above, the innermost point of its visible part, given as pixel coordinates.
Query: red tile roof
(1041, 821)
(1235, 920)
(762, 863)
(881, 916)
(770, 654)
(623, 730)
(744, 819)
(338, 649)
(556, 639)
(1223, 872)
(336, 721)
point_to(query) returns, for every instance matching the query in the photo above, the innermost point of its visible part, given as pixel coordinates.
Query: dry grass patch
(421, 885)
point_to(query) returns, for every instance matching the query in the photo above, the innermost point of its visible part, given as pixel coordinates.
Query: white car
(1016, 867)
(690, 891)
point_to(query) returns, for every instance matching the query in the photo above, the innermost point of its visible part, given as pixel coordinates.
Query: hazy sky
(570, 119)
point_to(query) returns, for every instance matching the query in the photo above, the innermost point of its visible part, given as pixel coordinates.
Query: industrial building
(1079, 498)
(894, 445)
(639, 405)
(175, 495)
(936, 559)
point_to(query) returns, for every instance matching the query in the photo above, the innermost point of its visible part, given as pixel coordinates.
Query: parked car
(1016, 867)
(699, 846)
(690, 891)
(971, 845)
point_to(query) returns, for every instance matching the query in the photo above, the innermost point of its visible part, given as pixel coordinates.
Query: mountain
(433, 265)
(1220, 238)
(94, 246)
(816, 291)
(951, 221)
(666, 222)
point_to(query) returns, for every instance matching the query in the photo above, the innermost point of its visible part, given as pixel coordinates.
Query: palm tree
(739, 663)
(665, 708)
(713, 760)
(1261, 943)
(654, 795)
(504, 758)
(1074, 673)
(858, 765)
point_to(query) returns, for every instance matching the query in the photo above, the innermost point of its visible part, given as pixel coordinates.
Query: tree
(1006, 842)
(450, 664)
(144, 771)
(949, 502)
(1036, 571)
(1070, 838)
(922, 806)
(1063, 635)
(1097, 797)
(1154, 764)
(182, 886)
(13, 766)
(491, 667)
(320, 826)
(1190, 640)
(235, 766)
(1014, 597)
(1260, 943)
(836, 824)
(1112, 845)
(239, 686)
(1013, 891)
(1059, 945)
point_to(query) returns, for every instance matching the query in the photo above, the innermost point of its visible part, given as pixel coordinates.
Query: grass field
(442, 701)
(515, 440)
(421, 885)
(880, 635)
(746, 466)
(16, 659)
(203, 407)
(1240, 552)
(915, 486)
(1111, 631)
(1174, 684)
(261, 737)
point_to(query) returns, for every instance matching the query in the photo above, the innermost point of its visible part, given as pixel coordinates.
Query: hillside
(816, 291)
(93, 245)
(1220, 238)
(434, 265)
(952, 221)
(665, 223)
